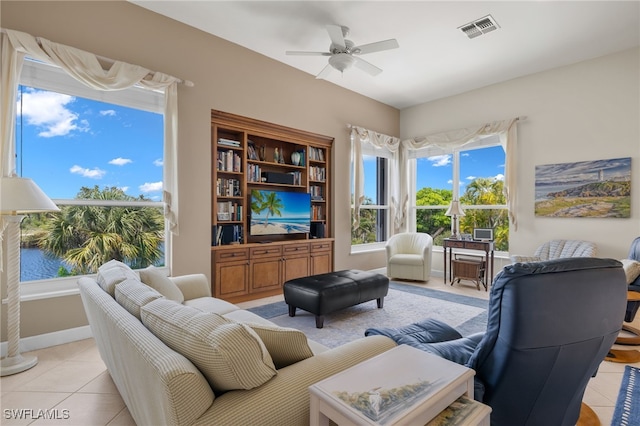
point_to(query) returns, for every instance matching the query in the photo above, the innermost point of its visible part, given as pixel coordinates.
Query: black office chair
(550, 325)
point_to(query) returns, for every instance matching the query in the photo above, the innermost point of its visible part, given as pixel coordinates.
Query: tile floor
(70, 382)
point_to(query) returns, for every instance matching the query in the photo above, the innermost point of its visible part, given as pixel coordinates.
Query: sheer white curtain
(398, 196)
(86, 67)
(505, 129)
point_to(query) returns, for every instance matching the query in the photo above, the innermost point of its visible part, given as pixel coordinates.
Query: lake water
(36, 265)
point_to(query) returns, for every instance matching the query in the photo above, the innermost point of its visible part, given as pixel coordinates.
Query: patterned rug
(627, 411)
(403, 305)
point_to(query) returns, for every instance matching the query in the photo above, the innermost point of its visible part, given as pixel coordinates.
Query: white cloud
(151, 187)
(499, 176)
(95, 173)
(159, 162)
(124, 188)
(440, 160)
(470, 177)
(120, 161)
(108, 112)
(49, 111)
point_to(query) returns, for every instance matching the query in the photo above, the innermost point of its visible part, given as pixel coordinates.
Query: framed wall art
(600, 188)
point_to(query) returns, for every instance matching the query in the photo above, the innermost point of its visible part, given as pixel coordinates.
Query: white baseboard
(41, 341)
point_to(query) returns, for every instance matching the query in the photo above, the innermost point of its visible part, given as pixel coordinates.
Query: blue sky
(437, 171)
(65, 142)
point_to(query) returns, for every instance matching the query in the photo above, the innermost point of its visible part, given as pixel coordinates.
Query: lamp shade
(454, 209)
(21, 195)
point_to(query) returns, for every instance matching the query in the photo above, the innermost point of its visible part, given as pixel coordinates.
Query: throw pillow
(155, 279)
(631, 269)
(132, 295)
(285, 345)
(113, 273)
(230, 355)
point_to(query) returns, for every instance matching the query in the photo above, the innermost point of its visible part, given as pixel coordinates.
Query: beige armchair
(409, 256)
(556, 249)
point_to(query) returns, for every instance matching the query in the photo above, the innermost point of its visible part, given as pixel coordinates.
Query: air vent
(480, 26)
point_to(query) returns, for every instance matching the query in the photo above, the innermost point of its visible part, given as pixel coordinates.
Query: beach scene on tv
(280, 212)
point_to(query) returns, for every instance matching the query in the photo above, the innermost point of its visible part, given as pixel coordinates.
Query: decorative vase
(295, 158)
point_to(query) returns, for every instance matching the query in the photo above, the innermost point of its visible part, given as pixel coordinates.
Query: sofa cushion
(155, 279)
(285, 345)
(631, 269)
(230, 355)
(132, 295)
(113, 273)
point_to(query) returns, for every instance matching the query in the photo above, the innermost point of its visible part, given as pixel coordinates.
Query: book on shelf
(316, 154)
(228, 142)
(226, 234)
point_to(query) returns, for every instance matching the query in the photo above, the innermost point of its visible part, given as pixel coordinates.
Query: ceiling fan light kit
(343, 53)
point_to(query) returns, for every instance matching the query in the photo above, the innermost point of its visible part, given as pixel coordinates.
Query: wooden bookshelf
(249, 154)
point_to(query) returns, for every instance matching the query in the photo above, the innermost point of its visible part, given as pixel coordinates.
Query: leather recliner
(550, 324)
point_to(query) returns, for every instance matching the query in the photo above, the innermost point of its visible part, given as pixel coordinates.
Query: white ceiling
(435, 58)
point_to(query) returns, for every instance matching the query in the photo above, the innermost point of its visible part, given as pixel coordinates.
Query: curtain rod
(110, 61)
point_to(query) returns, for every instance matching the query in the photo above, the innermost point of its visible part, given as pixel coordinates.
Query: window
(374, 210)
(474, 174)
(99, 156)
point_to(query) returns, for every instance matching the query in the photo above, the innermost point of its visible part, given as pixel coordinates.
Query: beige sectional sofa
(181, 357)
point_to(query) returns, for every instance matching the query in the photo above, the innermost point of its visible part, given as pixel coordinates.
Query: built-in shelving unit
(249, 154)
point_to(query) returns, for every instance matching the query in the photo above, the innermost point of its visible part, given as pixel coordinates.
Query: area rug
(627, 411)
(403, 305)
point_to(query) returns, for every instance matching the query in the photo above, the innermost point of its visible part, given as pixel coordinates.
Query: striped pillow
(113, 273)
(132, 295)
(230, 355)
(285, 345)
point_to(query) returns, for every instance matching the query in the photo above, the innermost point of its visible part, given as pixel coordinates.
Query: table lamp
(455, 210)
(18, 196)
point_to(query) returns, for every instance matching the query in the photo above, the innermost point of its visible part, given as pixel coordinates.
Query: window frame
(44, 76)
(385, 182)
(478, 143)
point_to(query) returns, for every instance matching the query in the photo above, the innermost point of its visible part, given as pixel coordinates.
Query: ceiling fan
(344, 53)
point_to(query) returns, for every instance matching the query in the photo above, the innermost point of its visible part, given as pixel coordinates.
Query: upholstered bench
(326, 293)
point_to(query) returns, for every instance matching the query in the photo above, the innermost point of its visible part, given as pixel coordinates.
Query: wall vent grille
(480, 26)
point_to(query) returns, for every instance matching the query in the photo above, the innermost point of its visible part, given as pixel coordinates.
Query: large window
(474, 174)
(374, 210)
(99, 156)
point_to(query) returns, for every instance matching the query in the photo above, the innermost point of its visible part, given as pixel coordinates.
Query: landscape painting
(600, 188)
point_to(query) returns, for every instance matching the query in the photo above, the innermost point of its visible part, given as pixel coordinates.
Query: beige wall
(581, 112)
(228, 78)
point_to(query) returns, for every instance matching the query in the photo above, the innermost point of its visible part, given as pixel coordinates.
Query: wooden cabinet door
(265, 274)
(295, 261)
(321, 257)
(232, 279)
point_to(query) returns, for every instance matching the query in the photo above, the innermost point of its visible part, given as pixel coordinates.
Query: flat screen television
(280, 212)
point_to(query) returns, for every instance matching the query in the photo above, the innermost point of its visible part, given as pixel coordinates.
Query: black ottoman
(325, 293)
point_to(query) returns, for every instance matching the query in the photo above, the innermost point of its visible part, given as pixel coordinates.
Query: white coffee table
(404, 385)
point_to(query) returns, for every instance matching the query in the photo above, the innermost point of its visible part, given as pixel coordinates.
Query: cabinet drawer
(266, 251)
(324, 246)
(229, 255)
(456, 244)
(476, 246)
(296, 249)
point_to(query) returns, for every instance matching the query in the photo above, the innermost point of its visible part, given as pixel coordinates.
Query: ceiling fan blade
(300, 53)
(366, 66)
(335, 33)
(325, 72)
(376, 47)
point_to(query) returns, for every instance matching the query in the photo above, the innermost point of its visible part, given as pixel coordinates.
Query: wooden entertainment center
(247, 156)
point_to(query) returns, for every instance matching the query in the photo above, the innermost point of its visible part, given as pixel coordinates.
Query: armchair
(558, 249)
(409, 256)
(550, 324)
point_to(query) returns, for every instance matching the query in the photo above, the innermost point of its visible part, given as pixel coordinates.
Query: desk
(486, 246)
(399, 387)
